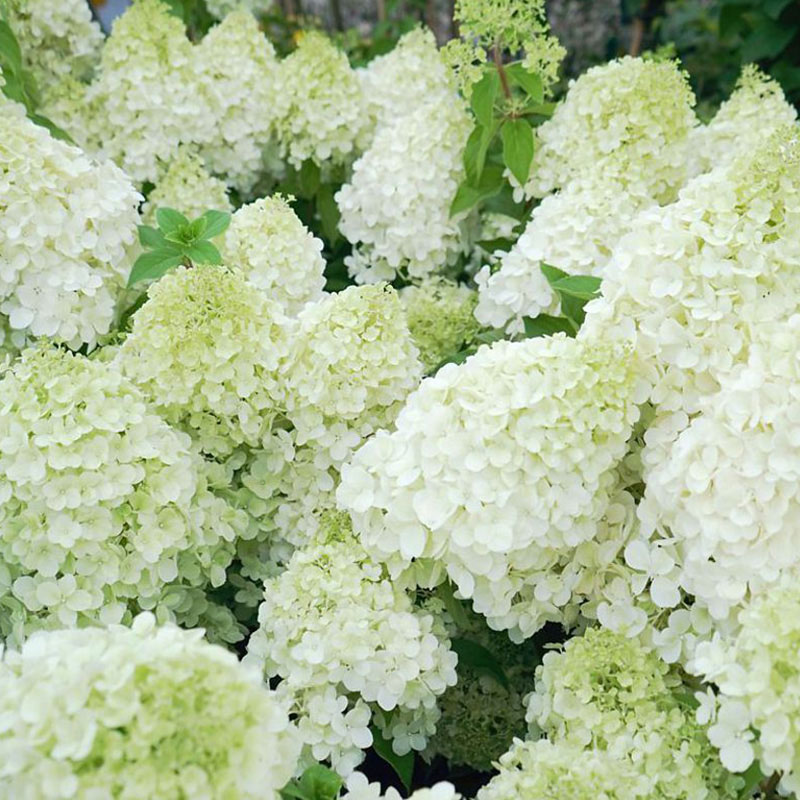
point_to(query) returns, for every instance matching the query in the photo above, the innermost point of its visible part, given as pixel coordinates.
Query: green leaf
(453, 605)
(476, 149)
(196, 229)
(203, 252)
(468, 196)
(151, 238)
(217, 222)
(768, 40)
(546, 325)
(484, 93)
(517, 136)
(316, 783)
(552, 273)
(152, 265)
(170, 220)
(329, 214)
(10, 53)
(530, 82)
(582, 287)
(55, 131)
(402, 765)
(493, 245)
(309, 179)
(476, 656)
(752, 778)
(773, 8)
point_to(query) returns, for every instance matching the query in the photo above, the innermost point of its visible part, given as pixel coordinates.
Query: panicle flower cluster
(627, 121)
(757, 715)
(394, 84)
(511, 23)
(238, 75)
(103, 506)
(277, 253)
(543, 770)
(139, 713)
(206, 349)
(145, 92)
(358, 787)
(57, 37)
(351, 647)
(606, 692)
(221, 8)
(615, 146)
(325, 118)
(396, 207)
(187, 187)
(756, 109)
(66, 234)
(544, 56)
(696, 279)
(441, 319)
(499, 469)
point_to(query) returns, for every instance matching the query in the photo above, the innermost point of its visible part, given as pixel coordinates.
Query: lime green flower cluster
(138, 713)
(510, 23)
(187, 187)
(605, 692)
(104, 508)
(441, 319)
(206, 350)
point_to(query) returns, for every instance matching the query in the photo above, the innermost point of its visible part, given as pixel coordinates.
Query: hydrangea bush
(436, 436)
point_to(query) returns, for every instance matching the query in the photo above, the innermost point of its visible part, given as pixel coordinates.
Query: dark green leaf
(170, 220)
(453, 605)
(767, 40)
(493, 245)
(309, 179)
(151, 238)
(152, 265)
(545, 325)
(468, 196)
(773, 8)
(217, 222)
(402, 765)
(531, 82)
(10, 54)
(328, 213)
(476, 656)
(55, 131)
(517, 136)
(484, 93)
(203, 252)
(476, 149)
(752, 778)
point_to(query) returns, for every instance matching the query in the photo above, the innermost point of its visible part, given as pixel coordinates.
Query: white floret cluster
(616, 145)
(396, 207)
(358, 787)
(67, 234)
(325, 118)
(139, 712)
(220, 8)
(499, 469)
(103, 505)
(58, 38)
(278, 254)
(351, 648)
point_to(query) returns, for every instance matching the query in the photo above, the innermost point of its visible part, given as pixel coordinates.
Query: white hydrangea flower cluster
(394, 84)
(605, 692)
(696, 279)
(102, 504)
(206, 349)
(277, 253)
(57, 37)
(348, 642)
(615, 146)
(325, 117)
(67, 234)
(220, 8)
(499, 469)
(758, 712)
(238, 74)
(187, 187)
(756, 109)
(358, 787)
(138, 712)
(145, 92)
(396, 207)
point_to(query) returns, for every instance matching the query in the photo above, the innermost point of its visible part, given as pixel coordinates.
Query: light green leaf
(476, 656)
(217, 222)
(552, 273)
(203, 252)
(10, 53)
(484, 93)
(170, 220)
(316, 783)
(196, 229)
(517, 136)
(582, 287)
(402, 765)
(151, 238)
(530, 82)
(153, 265)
